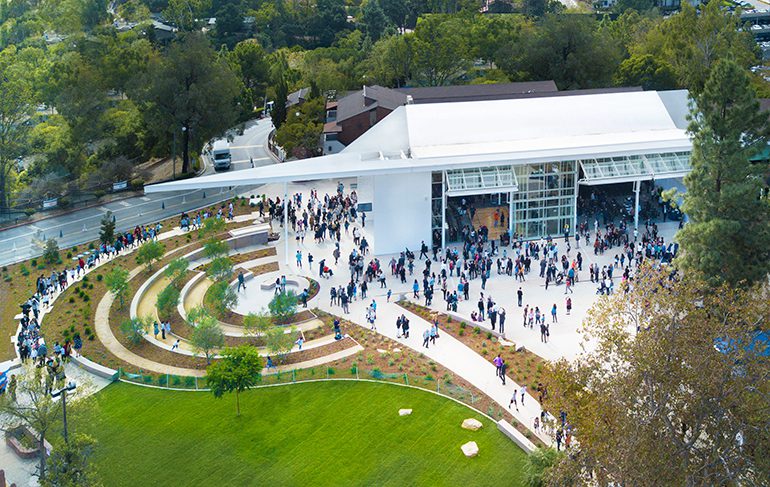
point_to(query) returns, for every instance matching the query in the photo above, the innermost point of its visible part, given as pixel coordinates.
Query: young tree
(167, 301)
(117, 282)
(728, 236)
(149, 253)
(220, 297)
(237, 370)
(107, 231)
(210, 229)
(441, 50)
(220, 269)
(69, 466)
(278, 342)
(207, 336)
(283, 306)
(676, 388)
(34, 408)
(51, 254)
(257, 323)
(176, 271)
(136, 328)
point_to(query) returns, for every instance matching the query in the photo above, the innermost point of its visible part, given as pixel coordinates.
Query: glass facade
(545, 202)
(543, 205)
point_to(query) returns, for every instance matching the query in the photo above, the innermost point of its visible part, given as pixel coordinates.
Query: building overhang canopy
(481, 180)
(644, 167)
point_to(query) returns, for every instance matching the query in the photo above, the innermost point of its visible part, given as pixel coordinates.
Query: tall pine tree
(728, 236)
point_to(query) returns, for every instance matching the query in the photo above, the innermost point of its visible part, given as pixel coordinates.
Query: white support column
(286, 222)
(575, 204)
(637, 186)
(443, 212)
(510, 215)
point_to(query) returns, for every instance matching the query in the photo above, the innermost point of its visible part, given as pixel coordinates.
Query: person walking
(498, 361)
(569, 305)
(175, 346)
(520, 296)
(155, 329)
(501, 318)
(241, 281)
(514, 402)
(503, 367)
(425, 338)
(416, 289)
(522, 392)
(163, 330)
(299, 259)
(553, 314)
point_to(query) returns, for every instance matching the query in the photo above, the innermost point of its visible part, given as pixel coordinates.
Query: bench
(96, 369)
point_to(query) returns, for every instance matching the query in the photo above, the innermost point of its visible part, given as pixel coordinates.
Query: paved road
(83, 226)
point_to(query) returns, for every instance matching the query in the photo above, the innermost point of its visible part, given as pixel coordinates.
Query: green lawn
(327, 433)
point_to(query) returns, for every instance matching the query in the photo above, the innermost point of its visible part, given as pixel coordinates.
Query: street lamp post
(63, 392)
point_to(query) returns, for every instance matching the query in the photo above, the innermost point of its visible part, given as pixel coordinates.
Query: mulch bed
(524, 367)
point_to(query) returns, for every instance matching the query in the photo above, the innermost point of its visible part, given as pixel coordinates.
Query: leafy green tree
(136, 328)
(249, 61)
(107, 230)
(189, 89)
(33, 408)
(646, 71)
(214, 248)
(329, 20)
(177, 270)
(69, 466)
(538, 465)
(207, 336)
(638, 5)
(229, 23)
(237, 370)
(16, 106)
(391, 60)
(167, 300)
(149, 253)
(675, 388)
(211, 228)
(220, 297)
(283, 306)
(374, 19)
(117, 282)
(569, 49)
(727, 238)
(692, 42)
(185, 13)
(441, 51)
(51, 254)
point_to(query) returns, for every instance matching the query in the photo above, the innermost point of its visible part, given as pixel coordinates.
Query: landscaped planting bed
(524, 367)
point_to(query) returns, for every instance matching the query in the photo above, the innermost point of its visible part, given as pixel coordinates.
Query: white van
(220, 153)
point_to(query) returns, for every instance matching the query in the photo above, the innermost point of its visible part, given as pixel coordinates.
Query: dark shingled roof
(497, 91)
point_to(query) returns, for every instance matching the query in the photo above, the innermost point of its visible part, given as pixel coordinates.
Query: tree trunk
(185, 151)
(4, 202)
(41, 449)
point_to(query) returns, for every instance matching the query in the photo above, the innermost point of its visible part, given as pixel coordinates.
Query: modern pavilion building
(415, 167)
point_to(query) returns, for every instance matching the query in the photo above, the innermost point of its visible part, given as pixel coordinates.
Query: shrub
(461, 332)
(91, 337)
(33, 262)
(448, 319)
(99, 277)
(476, 330)
(29, 211)
(489, 335)
(40, 267)
(189, 381)
(147, 378)
(51, 252)
(176, 380)
(85, 279)
(7, 278)
(72, 300)
(23, 270)
(162, 380)
(463, 325)
(69, 255)
(137, 183)
(135, 329)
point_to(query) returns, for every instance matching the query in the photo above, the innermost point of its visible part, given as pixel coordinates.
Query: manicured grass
(324, 433)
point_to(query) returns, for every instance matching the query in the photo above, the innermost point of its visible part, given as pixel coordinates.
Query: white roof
(441, 136)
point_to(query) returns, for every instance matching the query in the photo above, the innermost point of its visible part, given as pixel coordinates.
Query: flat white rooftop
(445, 136)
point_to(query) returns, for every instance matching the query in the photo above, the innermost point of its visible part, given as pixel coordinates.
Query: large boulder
(404, 412)
(472, 424)
(470, 449)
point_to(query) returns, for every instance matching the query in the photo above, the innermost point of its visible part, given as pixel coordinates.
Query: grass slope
(328, 433)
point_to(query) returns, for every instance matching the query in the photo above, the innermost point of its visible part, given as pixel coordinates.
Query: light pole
(63, 392)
